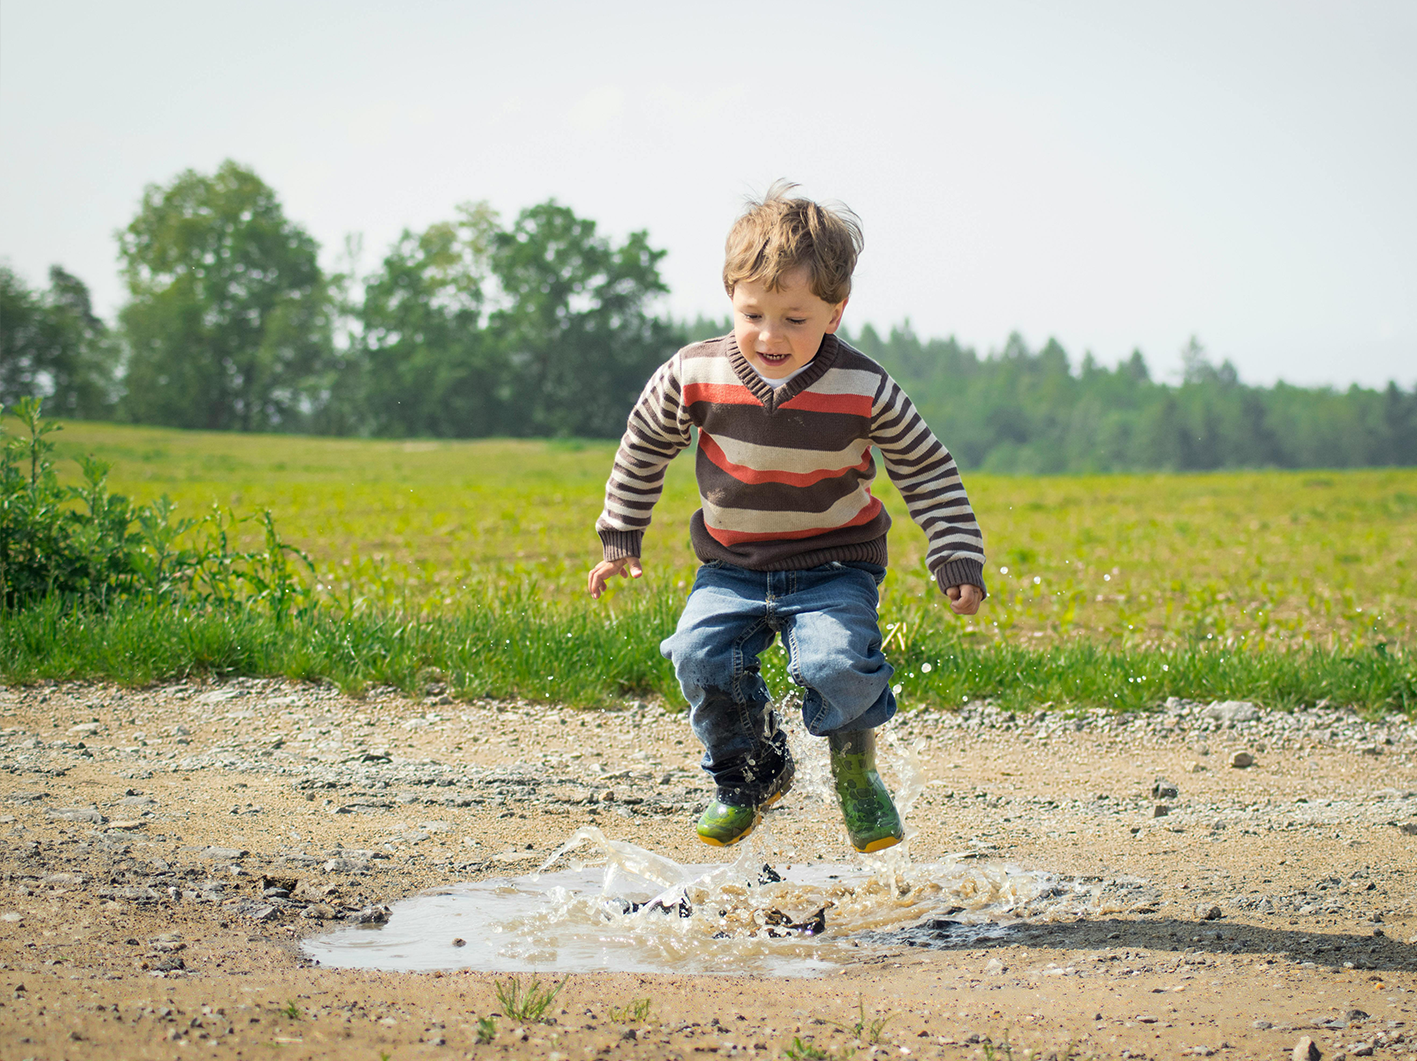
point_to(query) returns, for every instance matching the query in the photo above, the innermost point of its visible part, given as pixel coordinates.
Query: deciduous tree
(229, 317)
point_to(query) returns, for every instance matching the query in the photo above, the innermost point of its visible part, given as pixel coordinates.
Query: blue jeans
(827, 618)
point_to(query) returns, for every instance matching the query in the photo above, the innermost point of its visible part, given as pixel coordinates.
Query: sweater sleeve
(928, 479)
(658, 429)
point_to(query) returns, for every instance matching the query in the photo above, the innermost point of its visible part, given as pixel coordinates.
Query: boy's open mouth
(775, 359)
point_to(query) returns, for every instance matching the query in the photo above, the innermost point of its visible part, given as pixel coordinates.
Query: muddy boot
(737, 809)
(871, 818)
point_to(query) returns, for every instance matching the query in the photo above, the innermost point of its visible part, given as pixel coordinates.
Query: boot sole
(879, 845)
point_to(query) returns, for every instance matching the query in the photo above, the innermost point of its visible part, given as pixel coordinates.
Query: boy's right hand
(607, 569)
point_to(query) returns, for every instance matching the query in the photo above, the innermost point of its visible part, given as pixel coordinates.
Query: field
(1115, 574)
(1267, 559)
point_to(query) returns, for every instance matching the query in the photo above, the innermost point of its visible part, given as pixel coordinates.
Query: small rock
(459, 942)
(993, 967)
(77, 814)
(1160, 810)
(1306, 1050)
(1361, 1049)
(1261, 1025)
(225, 854)
(1355, 1015)
(1231, 711)
(346, 865)
(1163, 789)
(319, 912)
(1205, 912)
(1240, 760)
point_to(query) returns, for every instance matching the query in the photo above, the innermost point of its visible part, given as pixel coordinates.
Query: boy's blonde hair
(776, 235)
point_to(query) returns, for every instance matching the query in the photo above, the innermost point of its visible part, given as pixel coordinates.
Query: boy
(791, 540)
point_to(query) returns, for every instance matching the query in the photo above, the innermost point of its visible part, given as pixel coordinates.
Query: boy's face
(780, 331)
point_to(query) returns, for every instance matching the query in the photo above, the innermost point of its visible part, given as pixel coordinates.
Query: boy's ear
(835, 322)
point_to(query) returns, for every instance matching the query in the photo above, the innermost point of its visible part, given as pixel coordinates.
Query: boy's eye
(796, 320)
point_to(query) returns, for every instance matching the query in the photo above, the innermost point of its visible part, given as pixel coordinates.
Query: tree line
(542, 326)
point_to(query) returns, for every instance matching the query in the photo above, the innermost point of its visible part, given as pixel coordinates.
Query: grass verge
(515, 644)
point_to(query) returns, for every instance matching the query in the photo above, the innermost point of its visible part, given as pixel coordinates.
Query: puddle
(622, 908)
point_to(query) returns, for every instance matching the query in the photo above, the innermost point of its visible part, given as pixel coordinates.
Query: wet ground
(173, 857)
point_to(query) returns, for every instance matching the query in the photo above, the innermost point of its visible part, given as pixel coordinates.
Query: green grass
(527, 1002)
(464, 562)
(522, 646)
(1253, 559)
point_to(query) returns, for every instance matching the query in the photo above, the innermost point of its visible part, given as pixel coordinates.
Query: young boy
(791, 540)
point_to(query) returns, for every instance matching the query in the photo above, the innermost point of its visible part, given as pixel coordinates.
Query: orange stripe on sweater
(731, 537)
(719, 394)
(745, 474)
(847, 404)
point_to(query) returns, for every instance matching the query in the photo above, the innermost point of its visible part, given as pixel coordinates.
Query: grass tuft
(528, 1002)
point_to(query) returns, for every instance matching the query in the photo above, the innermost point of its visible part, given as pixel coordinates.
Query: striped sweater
(785, 473)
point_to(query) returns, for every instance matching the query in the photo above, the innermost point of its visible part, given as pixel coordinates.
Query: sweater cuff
(620, 544)
(960, 573)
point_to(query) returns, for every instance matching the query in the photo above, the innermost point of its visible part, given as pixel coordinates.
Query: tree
(229, 320)
(54, 347)
(430, 367)
(574, 322)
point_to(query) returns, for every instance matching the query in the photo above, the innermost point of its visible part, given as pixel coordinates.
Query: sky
(1115, 175)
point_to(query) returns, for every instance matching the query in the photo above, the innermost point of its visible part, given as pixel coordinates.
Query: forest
(542, 326)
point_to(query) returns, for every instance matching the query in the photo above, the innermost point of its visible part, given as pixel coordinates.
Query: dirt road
(166, 850)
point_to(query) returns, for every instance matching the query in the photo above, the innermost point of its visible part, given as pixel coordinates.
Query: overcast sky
(1115, 175)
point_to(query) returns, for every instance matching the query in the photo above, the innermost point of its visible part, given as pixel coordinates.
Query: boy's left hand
(965, 599)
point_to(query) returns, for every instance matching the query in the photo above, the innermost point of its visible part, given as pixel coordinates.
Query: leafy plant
(526, 1002)
(91, 547)
(291, 1010)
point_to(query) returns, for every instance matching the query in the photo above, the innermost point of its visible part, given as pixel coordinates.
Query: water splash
(619, 907)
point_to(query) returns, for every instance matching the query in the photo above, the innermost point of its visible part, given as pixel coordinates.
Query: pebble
(78, 814)
(1306, 1050)
(1240, 760)
(1207, 912)
(225, 854)
(1231, 711)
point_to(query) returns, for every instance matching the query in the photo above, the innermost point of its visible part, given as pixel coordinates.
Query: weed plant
(636, 1012)
(486, 1030)
(868, 1030)
(87, 548)
(528, 1002)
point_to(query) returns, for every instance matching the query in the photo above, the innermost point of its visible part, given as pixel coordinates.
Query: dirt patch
(166, 850)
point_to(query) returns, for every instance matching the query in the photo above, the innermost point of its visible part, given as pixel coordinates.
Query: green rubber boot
(872, 821)
(724, 823)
